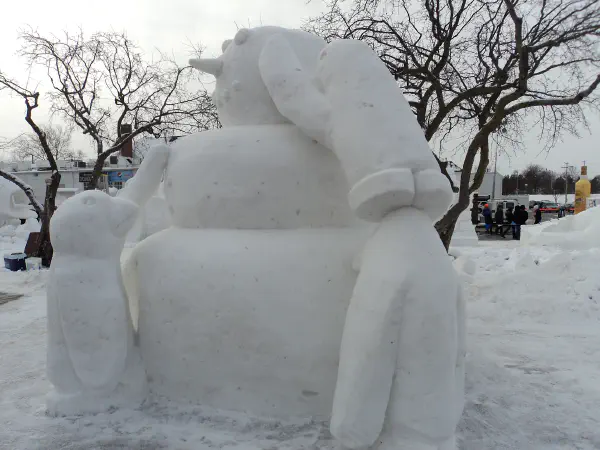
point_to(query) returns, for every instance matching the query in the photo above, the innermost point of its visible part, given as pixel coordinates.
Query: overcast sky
(170, 24)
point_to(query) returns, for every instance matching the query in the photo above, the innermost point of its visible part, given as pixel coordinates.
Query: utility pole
(494, 179)
(566, 167)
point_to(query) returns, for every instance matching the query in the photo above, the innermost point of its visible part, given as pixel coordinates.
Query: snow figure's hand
(402, 351)
(375, 135)
(354, 107)
(292, 89)
(148, 177)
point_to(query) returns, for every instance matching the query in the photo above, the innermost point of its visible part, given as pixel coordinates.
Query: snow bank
(577, 232)
(533, 368)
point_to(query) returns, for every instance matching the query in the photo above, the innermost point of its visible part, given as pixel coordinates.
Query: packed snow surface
(533, 368)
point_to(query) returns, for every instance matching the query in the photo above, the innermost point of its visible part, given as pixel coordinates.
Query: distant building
(75, 175)
(487, 186)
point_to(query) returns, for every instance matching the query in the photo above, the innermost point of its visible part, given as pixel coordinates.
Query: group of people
(512, 220)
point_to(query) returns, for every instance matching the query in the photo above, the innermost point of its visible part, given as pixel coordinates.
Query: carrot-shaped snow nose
(214, 66)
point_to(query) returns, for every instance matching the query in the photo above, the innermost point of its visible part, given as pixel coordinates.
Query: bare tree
(27, 146)
(104, 82)
(31, 99)
(481, 71)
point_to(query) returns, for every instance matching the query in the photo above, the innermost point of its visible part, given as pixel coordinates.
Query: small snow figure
(92, 360)
(401, 375)
(90, 338)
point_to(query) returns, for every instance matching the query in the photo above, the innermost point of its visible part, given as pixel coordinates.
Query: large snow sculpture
(13, 203)
(250, 301)
(92, 361)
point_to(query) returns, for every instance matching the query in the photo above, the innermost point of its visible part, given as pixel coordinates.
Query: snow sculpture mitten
(354, 107)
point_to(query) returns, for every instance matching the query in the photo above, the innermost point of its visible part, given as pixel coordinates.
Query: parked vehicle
(549, 207)
(545, 206)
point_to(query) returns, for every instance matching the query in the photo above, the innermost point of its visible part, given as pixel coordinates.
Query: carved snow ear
(241, 36)
(226, 44)
(292, 88)
(214, 66)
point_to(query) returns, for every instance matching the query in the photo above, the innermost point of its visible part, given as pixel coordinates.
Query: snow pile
(576, 232)
(566, 281)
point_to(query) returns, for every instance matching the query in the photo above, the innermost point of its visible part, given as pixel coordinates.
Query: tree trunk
(44, 246)
(445, 226)
(479, 144)
(97, 171)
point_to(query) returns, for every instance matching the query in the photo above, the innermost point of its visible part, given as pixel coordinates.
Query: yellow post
(583, 190)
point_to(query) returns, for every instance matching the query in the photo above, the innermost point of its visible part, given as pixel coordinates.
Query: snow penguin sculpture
(401, 375)
(91, 357)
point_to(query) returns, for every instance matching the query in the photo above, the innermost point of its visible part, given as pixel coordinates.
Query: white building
(488, 187)
(73, 179)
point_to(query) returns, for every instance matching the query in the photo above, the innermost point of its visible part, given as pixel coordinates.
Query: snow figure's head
(92, 224)
(240, 93)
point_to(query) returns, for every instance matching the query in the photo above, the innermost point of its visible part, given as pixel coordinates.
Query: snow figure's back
(263, 241)
(270, 213)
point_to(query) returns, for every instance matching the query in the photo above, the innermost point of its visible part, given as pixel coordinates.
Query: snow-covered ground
(533, 369)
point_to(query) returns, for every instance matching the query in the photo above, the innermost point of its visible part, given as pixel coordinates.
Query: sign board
(85, 178)
(115, 176)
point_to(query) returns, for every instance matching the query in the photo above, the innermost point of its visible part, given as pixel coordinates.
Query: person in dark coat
(499, 218)
(509, 222)
(487, 218)
(475, 211)
(521, 217)
(538, 214)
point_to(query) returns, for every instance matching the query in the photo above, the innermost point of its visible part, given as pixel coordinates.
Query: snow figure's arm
(401, 370)
(394, 179)
(369, 348)
(292, 90)
(144, 184)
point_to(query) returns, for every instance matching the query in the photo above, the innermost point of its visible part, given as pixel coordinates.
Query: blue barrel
(15, 261)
